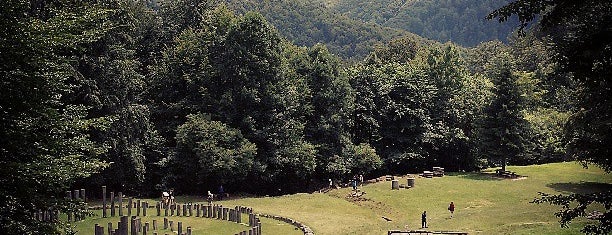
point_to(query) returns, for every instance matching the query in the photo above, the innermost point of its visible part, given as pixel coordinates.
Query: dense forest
(460, 21)
(145, 96)
(352, 28)
(306, 23)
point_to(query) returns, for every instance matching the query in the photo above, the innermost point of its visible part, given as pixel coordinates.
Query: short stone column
(410, 182)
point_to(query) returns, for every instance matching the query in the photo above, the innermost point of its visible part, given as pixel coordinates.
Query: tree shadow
(477, 176)
(580, 187)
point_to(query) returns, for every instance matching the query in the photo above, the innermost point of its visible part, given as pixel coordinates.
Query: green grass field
(484, 205)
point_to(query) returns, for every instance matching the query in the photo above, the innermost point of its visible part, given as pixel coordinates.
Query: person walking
(361, 180)
(424, 219)
(451, 208)
(209, 198)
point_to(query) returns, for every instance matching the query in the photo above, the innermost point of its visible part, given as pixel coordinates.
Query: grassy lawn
(484, 205)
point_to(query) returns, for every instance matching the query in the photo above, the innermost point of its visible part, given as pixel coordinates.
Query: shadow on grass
(476, 176)
(580, 187)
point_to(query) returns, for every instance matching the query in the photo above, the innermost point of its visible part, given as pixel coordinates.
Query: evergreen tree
(503, 127)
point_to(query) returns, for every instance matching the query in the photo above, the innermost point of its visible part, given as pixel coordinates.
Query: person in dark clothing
(451, 208)
(221, 192)
(424, 219)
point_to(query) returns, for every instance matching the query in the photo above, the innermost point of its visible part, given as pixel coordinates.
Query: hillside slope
(307, 23)
(459, 21)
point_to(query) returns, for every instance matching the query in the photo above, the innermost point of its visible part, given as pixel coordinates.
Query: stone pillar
(145, 205)
(103, 201)
(180, 227)
(394, 184)
(120, 200)
(184, 209)
(172, 210)
(158, 208)
(171, 225)
(137, 207)
(190, 210)
(110, 228)
(225, 210)
(69, 197)
(188, 230)
(98, 230)
(133, 226)
(165, 223)
(83, 195)
(154, 225)
(129, 206)
(112, 199)
(197, 210)
(410, 182)
(123, 227)
(165, 210)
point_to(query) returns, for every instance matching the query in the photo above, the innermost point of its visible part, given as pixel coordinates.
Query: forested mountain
(307, 23)
(351, 27)
(460, 21)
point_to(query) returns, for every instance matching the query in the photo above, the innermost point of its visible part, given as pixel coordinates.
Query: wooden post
(137, 207)
(154, 225)
(165, 223)
(104, 202)
(171, 225)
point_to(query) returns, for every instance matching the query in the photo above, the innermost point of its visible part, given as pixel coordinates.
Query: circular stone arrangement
(132, 222)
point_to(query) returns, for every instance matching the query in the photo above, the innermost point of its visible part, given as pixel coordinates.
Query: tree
(112, 84)
(501, 130)
(332, 100)
(208, 154)
(581, 31)
(44, 141)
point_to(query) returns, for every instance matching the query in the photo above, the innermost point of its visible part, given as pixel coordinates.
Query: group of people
(354, 183)
(451, 208)
(168, 197)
